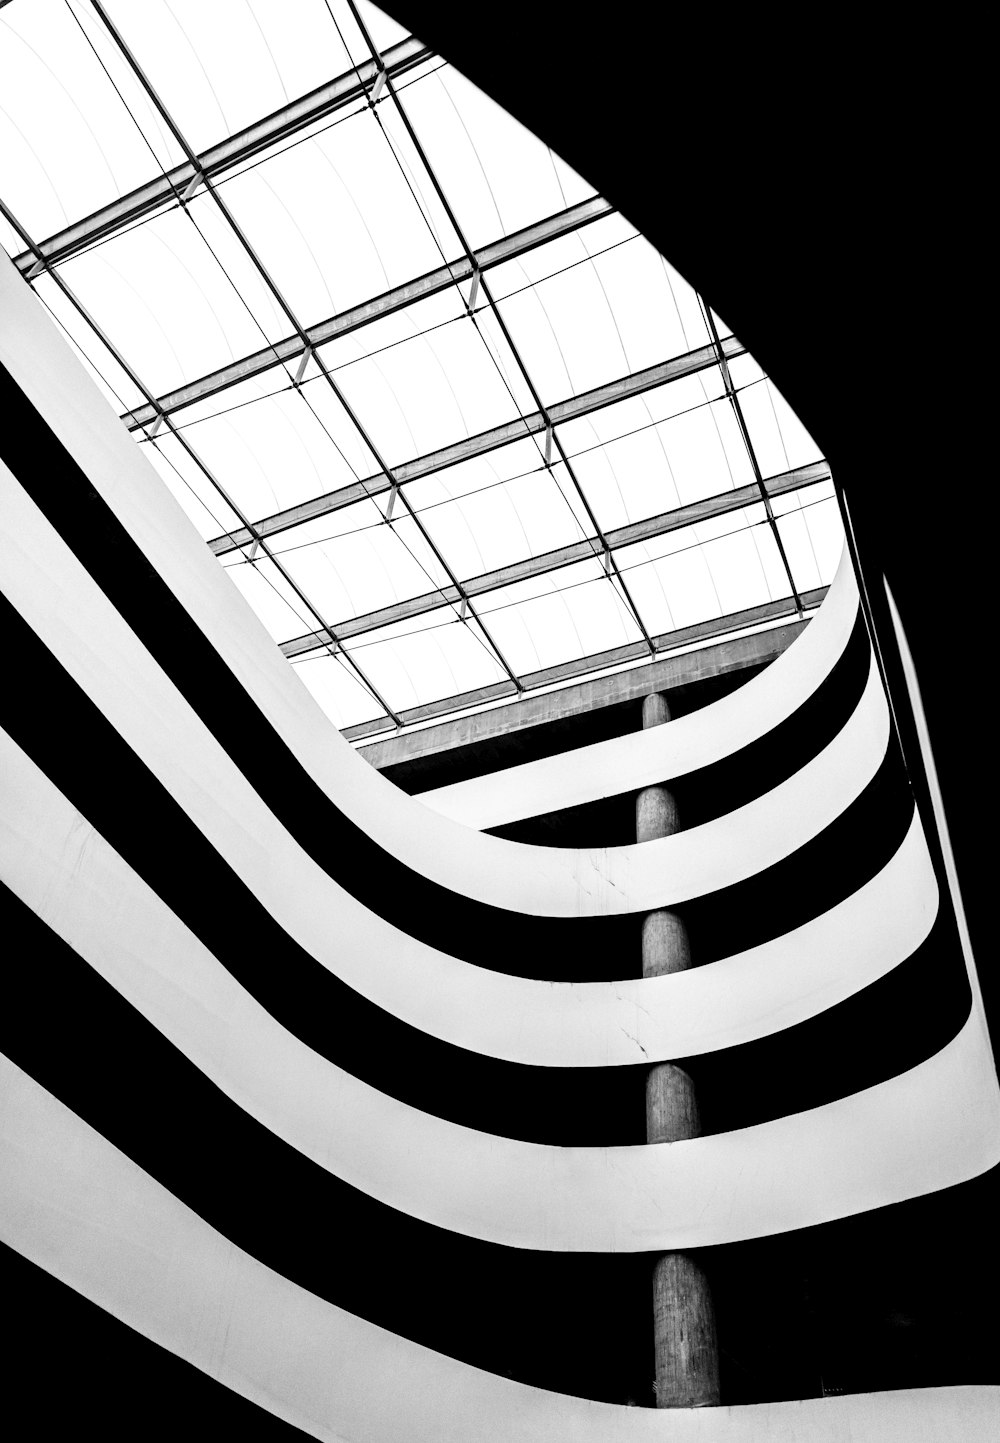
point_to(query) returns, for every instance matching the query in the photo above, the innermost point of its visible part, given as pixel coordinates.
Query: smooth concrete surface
(502, 873)
(77, 1207)
(752, 994)
(671, 1104)
(655, 814)
(57, 597)
(931, 1127)
(653, 755)
(680, 668)
(687, 1348)
(666, 948)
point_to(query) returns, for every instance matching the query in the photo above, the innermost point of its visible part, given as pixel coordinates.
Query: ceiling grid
(423, 224)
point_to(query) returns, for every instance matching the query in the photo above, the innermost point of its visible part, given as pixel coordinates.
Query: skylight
(454, 429)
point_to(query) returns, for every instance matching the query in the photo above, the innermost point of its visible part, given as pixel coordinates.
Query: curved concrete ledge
(496, 872)
(646, 758)
(77, 1207)
(749, 995)
(928, 1128)
(57, 597)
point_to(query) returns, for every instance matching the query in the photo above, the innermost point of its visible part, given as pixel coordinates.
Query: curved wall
(123, 621)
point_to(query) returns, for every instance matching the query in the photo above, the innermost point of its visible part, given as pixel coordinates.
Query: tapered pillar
(686, 1352)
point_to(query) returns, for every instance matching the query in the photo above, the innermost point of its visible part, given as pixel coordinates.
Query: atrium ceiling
(453, 427)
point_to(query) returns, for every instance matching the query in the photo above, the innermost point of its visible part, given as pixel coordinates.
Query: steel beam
(224, 157)
(687, 636)
(563, 411)
(431, 284)
(549, 561)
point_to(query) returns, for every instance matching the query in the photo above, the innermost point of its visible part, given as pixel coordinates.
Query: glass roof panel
(558, 617)
(812, 535)
(496, 175)
(610, 234)
(427, 658)
(348, 521)
(426, 391)
(491, 528)
(101, 364)
(187, 49)
(585, 325)
(343, 215)
(178, 296)
(423, 197)
(779, 439)
(744, 371)
(383, 30)
(190, 485)
(334, 220)
(275, 451)
(267, 591)
(348, 575)
(705, 571)
(337, 689)
(68, 143)
(647, 468)
(479, 473)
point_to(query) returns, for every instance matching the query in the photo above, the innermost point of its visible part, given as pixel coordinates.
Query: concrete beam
(734, 654)
(292, 347)
(225, 156)
(583, 550)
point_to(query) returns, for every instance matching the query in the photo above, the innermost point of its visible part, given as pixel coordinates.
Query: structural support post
(687, 1362)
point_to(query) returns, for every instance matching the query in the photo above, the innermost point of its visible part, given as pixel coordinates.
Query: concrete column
(686, 1352)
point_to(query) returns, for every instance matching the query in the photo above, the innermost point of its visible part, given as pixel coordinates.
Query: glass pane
(649, 468)
(271, 452)
(337, 689)
(704, 571)
(334, 220)
(480, 473)
(557, 617)
(612, 233)
(177, 296)
(427, 658)
(779, 439)
(68, 142)
(187, 50)
(190, 486)
(494, 527)
(270, 596)
(813, 537)
(382, 29)
(109, 375)
(349, 575)
(427, 392)
(496, 175)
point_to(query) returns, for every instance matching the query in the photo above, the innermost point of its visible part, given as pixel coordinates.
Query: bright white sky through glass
(347, 209)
